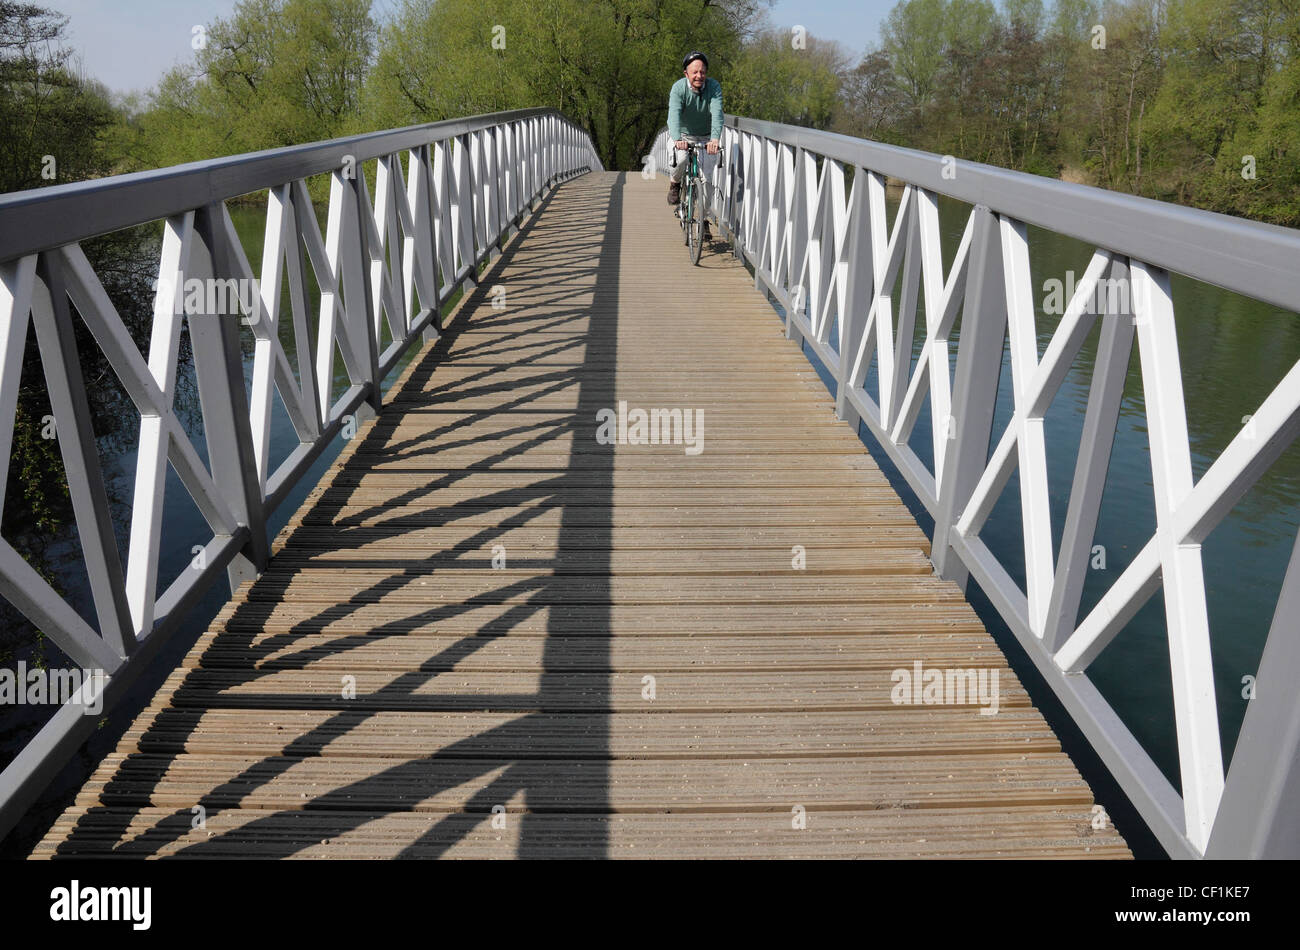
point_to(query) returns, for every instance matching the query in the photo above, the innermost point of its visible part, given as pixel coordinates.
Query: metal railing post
(975, 389)
(218, 367)
(858, 292)
(1093, 461)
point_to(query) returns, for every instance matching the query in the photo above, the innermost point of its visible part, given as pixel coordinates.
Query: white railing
(821, 247)
(392, 261)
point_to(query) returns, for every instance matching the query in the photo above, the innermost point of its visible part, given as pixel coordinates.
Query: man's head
(696, 68)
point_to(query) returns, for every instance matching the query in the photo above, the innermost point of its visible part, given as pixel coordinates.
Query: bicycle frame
(692, 191)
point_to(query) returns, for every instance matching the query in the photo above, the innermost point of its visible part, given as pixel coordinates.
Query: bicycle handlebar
(690, 147)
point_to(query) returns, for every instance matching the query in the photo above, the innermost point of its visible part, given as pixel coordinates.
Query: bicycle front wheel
(687, 207)
(696, 225)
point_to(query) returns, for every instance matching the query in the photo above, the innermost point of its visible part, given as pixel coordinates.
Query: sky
(128, 44)
(855, 24)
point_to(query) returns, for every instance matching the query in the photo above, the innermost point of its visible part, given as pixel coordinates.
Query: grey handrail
(1247, 257)
(43, 218)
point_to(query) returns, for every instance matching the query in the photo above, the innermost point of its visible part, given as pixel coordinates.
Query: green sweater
(695, 114)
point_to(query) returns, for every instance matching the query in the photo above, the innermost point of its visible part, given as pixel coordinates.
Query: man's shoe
(705, 235)
(674, 193)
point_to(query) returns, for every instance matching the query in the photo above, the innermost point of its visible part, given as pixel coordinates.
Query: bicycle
(691, 213)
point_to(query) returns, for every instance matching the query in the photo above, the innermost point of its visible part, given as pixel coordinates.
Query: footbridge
(601, 566)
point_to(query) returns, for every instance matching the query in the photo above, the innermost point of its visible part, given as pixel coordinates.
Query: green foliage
(873, 103)
(776, 80)
(913, 40)
(1272, 137)
(1169, 105)
(277, 73)
(1173, 99)
(1230, 92)
(38, 490)
(436, 61)
(969, 23)
(50, 118)
(48, 110)
(1029, 13)
(607, 64)
(1072, 20)
(1109, 92)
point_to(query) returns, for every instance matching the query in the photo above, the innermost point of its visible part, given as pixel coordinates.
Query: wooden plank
(665, 465)
(545, 537)
(968, 833)
(644, 620)
(622, 562)
(395, 477)
(621, 786)
(433, 652)
(812, 518)
(502, 587)
(544, 689)
(912, 730)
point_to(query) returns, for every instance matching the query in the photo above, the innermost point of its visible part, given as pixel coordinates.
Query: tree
(55, 128)
(1230, 91)
(1271, 137)
(277, 73)
(913, 38)
(1027, 13)
(1113, 79)
(50, 118)
(777, 79)
(999, 105)
(438, 60)
(608, 64)
(873, 101)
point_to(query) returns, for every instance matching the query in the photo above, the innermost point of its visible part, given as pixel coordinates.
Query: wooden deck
(508, 710)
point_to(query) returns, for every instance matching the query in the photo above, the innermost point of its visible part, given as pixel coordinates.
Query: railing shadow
(588, 225)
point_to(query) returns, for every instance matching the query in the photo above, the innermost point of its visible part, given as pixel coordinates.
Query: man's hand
(681, 145)
(713, 146)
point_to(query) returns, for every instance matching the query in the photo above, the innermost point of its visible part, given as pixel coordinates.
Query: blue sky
(855, 25)
(129, 44)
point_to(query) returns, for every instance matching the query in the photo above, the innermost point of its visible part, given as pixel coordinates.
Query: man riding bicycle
(695, 116)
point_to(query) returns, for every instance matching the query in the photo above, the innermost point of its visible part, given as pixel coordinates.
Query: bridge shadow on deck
(581, 234)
